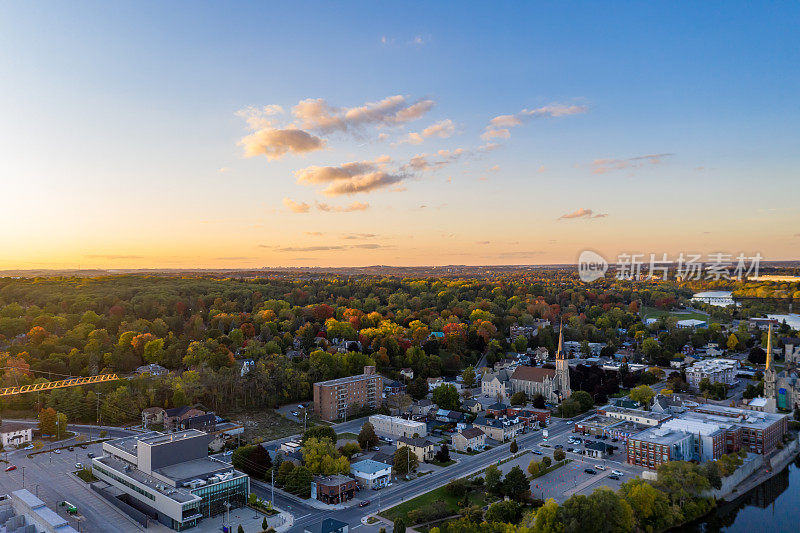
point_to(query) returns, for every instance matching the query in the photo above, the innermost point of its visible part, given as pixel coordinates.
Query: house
(499, 429)
(382, 457)
(407, 373)
(205, 422)
(14, 434)
(333, 489)
(469, 439)
(497, 409)
(473, 406)
(371, 474)
(433, 383)
(598, 449)
(392, 388)
(531, 416)
(153, 370)
(423, 407)
(152, 415)
(247, 365)
(444, 415)
(422, 447)
(329, 525)
(496, 384)
(540, 354)
(173, 418)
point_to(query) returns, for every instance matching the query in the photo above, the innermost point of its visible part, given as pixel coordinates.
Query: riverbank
(770, 467)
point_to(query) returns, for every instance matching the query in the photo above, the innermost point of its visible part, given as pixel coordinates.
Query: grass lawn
(446, 463)
(422, 500)
(266, 424)
(347, 436)
(652, 312)
(86, 475)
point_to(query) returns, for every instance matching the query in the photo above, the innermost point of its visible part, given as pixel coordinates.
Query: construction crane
(72, 382)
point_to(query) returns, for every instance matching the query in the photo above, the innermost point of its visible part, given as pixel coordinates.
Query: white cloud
(275, 143)
(317, 114)
(499, 126)
(601, 166)
(296, 207)
(442, 130)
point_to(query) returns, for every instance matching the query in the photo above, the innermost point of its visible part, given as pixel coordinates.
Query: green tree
(516, 485)
(546, 462)
(569, 408)
(349, 449)
(519, 398)
(253, 460)
(533, 467)
(468, 377)
(559, 455)
(493, 480)
(240, 529)
(513, 448)
(47, 421)
(650, 506)
(299, 481)
(367, 437)
(399, 526)
(405, 460)
(520, 344)
(418, 388)
(547, 520)
(508, 512)
(320, 456)
(285, 469)
(446, 397)
(320, 432)
(643, 394)
(584, 399)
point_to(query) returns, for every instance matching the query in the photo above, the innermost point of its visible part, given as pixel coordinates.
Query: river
(771, 507)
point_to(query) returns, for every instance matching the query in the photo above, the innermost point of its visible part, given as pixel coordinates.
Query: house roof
(8, 427)
(533, 373)
(369, 466)
(471, 433)
(498, 407)
(331, 525)
(419, 442)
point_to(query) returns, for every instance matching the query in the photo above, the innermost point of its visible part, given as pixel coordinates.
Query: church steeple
(562, 367)
(560, 350)
(769, 347)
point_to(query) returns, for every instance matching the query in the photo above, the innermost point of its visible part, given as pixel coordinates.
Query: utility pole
(23, 477)
(272, 486)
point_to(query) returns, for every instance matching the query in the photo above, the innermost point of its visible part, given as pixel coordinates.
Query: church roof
(533, 373)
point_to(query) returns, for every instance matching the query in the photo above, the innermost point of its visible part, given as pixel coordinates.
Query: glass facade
(234, 491)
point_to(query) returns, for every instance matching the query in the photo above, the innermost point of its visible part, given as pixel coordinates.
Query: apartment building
(400, 427)
(716, 370)
(337, 398)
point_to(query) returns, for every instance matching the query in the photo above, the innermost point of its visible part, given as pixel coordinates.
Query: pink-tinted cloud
(355, 206)
(583, 213)
(601, 166)
(442, 130)
(275, 143)
(296, 207)
(499, 126)
(317, 114)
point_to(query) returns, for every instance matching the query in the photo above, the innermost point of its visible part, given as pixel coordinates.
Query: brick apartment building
(337, 398)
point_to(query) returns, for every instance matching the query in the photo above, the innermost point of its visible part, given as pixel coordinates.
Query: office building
(338, 398)
(170, 478)
(400, 427)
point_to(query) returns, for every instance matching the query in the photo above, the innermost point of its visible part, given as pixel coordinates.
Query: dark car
(90, 455)
(71, 449)
(537, 452)
(363, 503)
(558, 446)
(590, 471)
(613, 476)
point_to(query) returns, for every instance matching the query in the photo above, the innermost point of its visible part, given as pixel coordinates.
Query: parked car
(617, 473)
(28, 447)
(559, 446)
(537, 452)
(376, 448)
(589, 471)
(90, 455)
(228, 453)
(599, 467)
(363, 503)
(71, 449)
(78, 466)
(9, 468)
(57, 450)
(614, 477)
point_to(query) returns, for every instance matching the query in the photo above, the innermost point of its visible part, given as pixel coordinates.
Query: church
(551, 383)
(782, 389)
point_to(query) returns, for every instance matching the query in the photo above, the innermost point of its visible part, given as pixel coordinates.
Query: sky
(264, 134)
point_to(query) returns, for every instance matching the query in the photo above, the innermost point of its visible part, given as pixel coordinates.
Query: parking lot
(47, 476)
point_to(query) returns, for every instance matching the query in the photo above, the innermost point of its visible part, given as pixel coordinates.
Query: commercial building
(170, 478)
(716, 370)
(393, 425)
(707, 433)
(14, 434)
(337, 398)
(640, 416)
(333, 489)
(372, 474)
(499, 429)
(469, 439)
(421, 447)
(23, 512)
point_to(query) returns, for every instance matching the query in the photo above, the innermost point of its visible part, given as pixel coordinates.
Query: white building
(393, 425)
(716, 370)
(372, 474)
(23, 511)
(172, 476)
(13, 434)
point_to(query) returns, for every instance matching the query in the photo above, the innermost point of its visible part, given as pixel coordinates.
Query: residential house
(407, 373)
(433, 383)
(333, 489)
(152, 415)
(499, 429)
(473, 406)
(453, 417)
(421, 447)
(540, 354)
(152, 369)
(530, 416)
(392, 388)
(497, 409)
(470, 439)
(15, 434)
(423, 407)
(371, 474)
(496, 384)
(173, 418)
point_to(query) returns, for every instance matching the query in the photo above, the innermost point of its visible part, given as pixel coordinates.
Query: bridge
(72, 382)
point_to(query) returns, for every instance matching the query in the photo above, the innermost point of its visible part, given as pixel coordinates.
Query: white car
(57, 451)
(617, 473)
(228, 453)
(28, 447)
(78, 466)
(599, 467)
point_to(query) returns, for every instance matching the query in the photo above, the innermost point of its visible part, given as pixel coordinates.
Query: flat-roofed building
(23, 512)
(170, 477)
(639, 416)
(333, 489)
(400, 427)
(336, 399)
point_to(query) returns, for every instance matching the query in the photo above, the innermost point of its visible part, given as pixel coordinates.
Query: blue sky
(123, 147)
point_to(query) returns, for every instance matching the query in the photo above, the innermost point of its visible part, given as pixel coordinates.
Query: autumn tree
(47, 421)
(367, 437)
